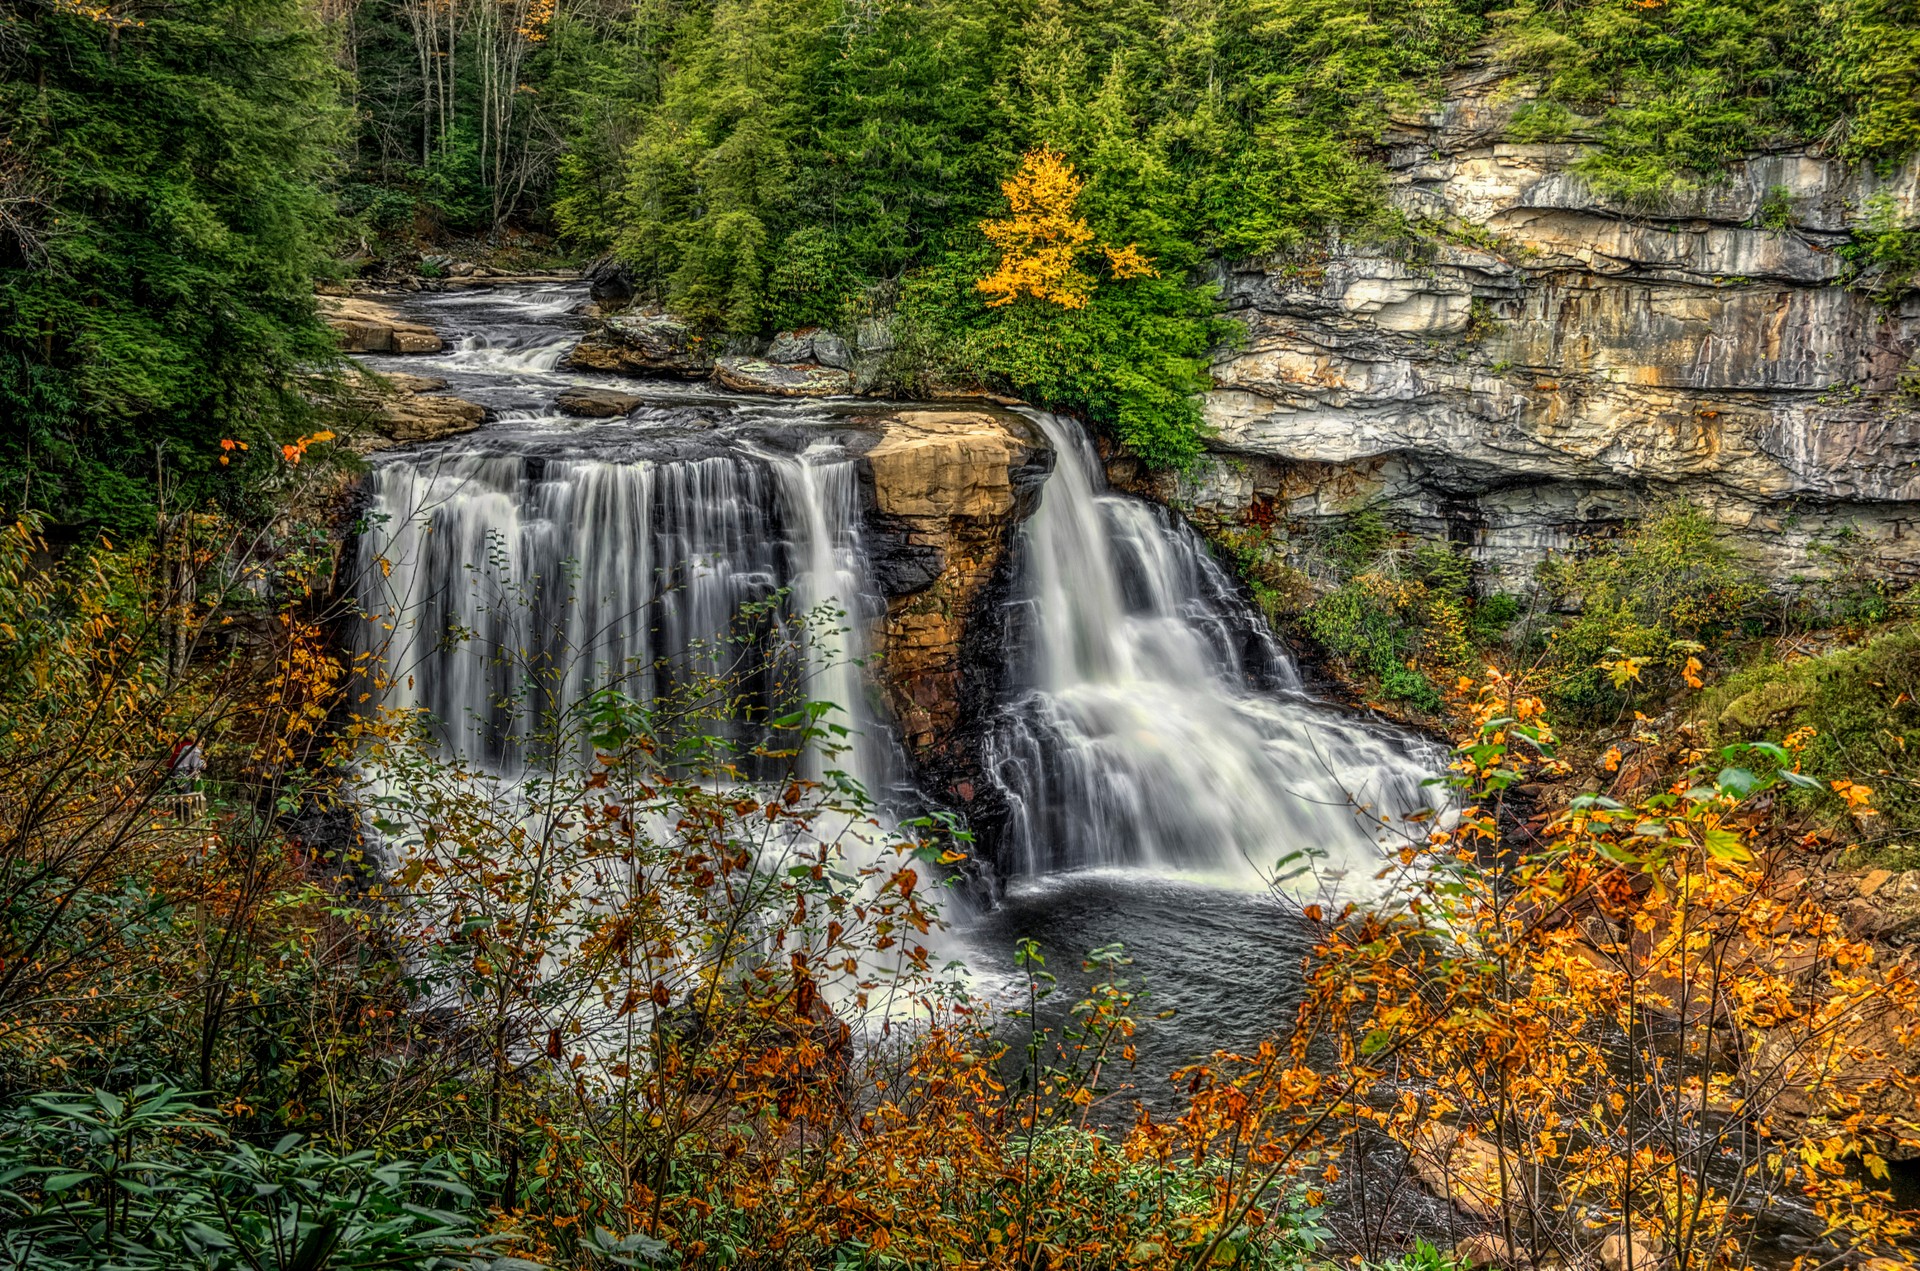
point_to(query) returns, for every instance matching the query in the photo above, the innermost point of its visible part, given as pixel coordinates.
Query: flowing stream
(1152, 745)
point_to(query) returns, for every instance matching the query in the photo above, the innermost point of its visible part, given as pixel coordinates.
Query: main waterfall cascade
(1148, 718)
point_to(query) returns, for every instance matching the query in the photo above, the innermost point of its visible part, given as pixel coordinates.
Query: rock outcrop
(384, 411)
(643, 344)
(1553, 362)
(949, 490)
(367, 326)
(597, 403)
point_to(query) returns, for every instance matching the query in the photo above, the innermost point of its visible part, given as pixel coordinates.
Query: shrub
(1373, 623)
(148, 1180)
(1648, 603)
(1404, 610)
(1854, 710)
(1562, 1036)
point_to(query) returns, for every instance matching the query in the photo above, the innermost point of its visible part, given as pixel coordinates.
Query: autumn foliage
(646, 1003)
(1045, 242)
(1645, 1028)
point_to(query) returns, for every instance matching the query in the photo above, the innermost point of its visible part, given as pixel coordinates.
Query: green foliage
(1666, 590)
(1404, 610)
(149, 1181)
(804, 162)
(1776, 210)
(1133, 361)
(1678, 89)
(1871, 63)
(1884, 256)
(162, 296)
(1375, 629)
(1860, 703)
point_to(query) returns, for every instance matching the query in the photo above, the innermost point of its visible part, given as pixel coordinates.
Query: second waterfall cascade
(1153, 721)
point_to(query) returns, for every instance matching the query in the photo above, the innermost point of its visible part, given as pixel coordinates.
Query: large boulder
(598, 403)
(791, 347)
(648, 344)
(367, 326)
(609, 282)
(1637, 1251)
(752, 375)
(810, 345)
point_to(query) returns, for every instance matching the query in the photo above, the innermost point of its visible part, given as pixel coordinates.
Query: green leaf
(1726, 845)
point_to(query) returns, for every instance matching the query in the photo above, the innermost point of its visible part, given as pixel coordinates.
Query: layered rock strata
(949, 489)
(367, 326)
(1551, 363)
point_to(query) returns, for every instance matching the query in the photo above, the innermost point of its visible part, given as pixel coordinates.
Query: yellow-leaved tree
(1042, 244)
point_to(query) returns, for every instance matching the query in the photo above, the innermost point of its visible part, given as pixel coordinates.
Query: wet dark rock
(648, 344)
(598, 403)
(609, 283)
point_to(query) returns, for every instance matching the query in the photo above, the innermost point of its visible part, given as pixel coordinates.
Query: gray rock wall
(1554, 363)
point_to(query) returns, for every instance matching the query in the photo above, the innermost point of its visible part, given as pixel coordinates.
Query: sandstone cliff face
(1556, 362)
(949, 490)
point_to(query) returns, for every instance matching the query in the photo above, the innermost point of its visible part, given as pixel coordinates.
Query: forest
(292, 977)
(174, 180)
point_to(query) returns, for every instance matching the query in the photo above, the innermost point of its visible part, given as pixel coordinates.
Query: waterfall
(1146, 717)
(506, 589)
(820, 495)
(1151, 720)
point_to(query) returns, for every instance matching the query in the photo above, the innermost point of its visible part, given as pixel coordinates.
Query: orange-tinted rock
(949, 489)
(384, 411)
(367, 326)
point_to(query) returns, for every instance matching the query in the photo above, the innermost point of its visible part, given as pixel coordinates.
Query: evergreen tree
(158, 293)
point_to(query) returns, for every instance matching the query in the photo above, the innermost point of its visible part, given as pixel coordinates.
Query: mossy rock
(1768, 704)
(1860, 703)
